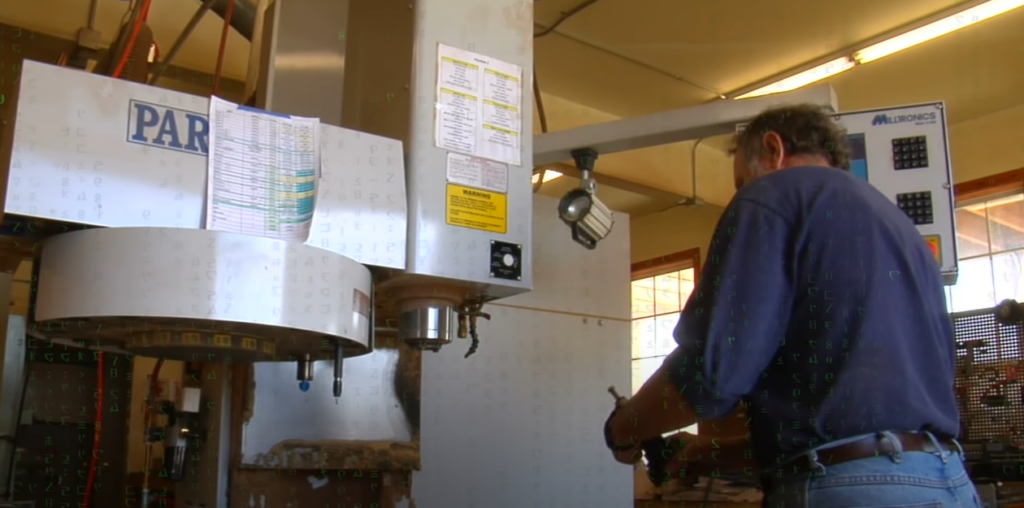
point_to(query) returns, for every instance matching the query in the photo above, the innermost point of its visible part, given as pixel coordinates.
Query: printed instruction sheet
(476, 172)
(262, 173)
(479, 105)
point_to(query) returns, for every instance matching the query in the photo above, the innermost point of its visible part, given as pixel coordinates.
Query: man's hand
(625, 448)
(705, 456)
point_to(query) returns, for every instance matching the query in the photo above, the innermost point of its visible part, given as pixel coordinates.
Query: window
(659, 292)
(990, 244)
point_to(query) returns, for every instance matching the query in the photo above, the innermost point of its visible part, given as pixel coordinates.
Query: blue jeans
(918, 480)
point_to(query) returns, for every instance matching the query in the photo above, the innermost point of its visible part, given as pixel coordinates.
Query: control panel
(904, 153)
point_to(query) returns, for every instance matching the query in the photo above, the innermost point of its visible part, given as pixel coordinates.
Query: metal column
(207, 482)
(12, 385)
(386, 39)
(302, 68)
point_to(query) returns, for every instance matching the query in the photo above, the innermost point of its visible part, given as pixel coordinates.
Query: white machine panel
(904, 152)
(93, 150)
(540, 382)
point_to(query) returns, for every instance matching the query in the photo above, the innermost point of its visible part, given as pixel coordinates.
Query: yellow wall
(988, 145)
(674, 230)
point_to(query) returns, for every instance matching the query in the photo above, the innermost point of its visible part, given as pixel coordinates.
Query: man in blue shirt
(820, 308)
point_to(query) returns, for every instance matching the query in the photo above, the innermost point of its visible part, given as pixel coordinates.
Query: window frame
(981, 190)
(682, 260)
(989, 187)
(675, 262)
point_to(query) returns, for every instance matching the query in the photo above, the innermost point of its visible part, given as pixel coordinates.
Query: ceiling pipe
(243, 15)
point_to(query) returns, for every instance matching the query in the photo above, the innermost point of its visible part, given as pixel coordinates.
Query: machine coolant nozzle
(305, 372)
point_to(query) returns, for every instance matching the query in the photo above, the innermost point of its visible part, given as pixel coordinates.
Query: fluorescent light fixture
(804, 78)
(548, 176)
(937, 29)
(949, 24)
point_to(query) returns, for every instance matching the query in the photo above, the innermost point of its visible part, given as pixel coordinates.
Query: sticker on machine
(935, 245)
(476, 172)
(361, 303)
(471, 208)
(360, 308)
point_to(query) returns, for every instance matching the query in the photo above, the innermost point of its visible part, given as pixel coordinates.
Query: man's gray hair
(805, 129)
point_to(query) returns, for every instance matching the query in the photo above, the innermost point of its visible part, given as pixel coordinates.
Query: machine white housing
(90, 150)
(223, 296)
(904, 152)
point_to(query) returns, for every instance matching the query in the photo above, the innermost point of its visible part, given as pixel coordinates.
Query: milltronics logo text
(883, 119)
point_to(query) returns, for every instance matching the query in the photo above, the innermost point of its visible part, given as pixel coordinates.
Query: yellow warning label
(250, 343)
(459, 94)
(476, 209)
(269, 348)
(502, 74)
(221, 340)
(501, 106)
(190, 339)
(488, 127)
(458, 62)
(935, 244)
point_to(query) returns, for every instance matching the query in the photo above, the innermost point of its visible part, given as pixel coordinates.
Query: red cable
(96, 449)
(223, 46)
(131, 39)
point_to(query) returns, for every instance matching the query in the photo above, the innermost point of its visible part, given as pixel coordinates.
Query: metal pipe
(180, 41)
(339, 360)
(222, 48)
(94, 6)
(305, 368)
(243, 15)
(124, 35)
(693, 169)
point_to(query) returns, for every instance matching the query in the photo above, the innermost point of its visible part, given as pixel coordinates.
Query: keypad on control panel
(910, 153)
(917, 206)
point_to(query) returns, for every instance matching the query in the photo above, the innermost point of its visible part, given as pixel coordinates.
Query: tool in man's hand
(658, 451)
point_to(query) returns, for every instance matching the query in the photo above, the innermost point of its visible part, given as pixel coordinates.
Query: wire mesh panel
(988, 384)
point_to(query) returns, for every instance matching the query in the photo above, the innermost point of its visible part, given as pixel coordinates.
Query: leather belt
(864, 449)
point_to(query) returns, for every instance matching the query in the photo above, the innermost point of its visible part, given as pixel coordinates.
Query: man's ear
(772, 144)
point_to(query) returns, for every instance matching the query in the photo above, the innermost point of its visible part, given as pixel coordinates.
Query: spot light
(588, 218)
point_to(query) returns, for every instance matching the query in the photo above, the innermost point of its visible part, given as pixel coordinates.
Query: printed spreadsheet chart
(263, 172)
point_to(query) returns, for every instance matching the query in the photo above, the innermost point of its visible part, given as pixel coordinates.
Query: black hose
(565, 17)
(475, 341)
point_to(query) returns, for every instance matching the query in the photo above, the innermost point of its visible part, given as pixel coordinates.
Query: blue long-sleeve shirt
(821, 308)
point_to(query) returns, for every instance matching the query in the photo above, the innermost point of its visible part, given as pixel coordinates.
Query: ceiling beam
(617, 183)
(686, 124)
